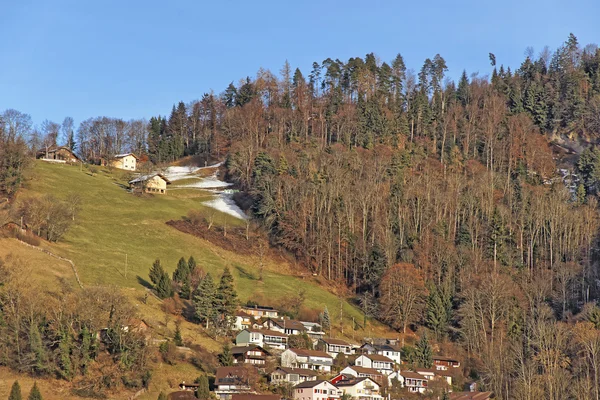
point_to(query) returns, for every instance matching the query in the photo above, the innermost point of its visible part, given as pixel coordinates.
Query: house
(255, 397)
(251, 354)
(360, 389)
(292, 375)
(375, 361)
(127, 161)
(60, 154)
(316, 390)
(443, 363)
(262, 338)
(242, 321)
(153, 183)
(308, 359)
(188, 386)
(472, 396)
(335, 346)
(431, 374)
(260, 311)
(362, 372)
(389, 350)
(182, 395)
(287, 326)
(414, 382)
(232, 380)
(314, 331)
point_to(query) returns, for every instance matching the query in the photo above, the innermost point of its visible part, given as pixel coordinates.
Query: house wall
(156, 185)
(128, 163)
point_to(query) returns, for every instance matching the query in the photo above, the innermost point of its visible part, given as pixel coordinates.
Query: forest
(437, 205)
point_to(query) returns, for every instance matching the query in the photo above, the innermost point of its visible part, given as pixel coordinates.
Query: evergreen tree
(164, 288)
(181, 277)
(15, 392)
(439, 311)
(87, 348)
(226, 297)
(177, 339)
(35, 393)
(37, 348)
(65, 364)
(229, 97)
(226, 358)
(156, 272)
(423, 353)
(325, 320)
(203, 391)
(162, 396)
(191, 264)
(205, 300)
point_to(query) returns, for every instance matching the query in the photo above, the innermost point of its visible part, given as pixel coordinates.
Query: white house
(127, 161)
(414, 382)
(360, 389)
(432, 374)
(260, 311)
(294, 376)
(262, 338)
(242, 321)
(308, 359)
(390, 351)
(316, 390)
(335, 346)
(231, 380)
(287, 326)
(375, 361)
(362, 372)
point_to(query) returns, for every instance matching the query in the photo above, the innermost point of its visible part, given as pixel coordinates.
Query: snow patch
(224, 202)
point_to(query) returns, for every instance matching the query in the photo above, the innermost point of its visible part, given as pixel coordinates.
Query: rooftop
(309, 384)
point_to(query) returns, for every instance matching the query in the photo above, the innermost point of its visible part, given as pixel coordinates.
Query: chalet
(335, 346)
(242, 321)
(431, 374)
(153, 183)
(472, 396)
(391, 351)
(250, 396)
(316, 390)
(292, 375)
(360, 389)
(127, 161)
(262, 338)
(251, 354)
(375, 361)
(232, 380)
(57, 154)
(444, 363)
(260, 311)
(362, 372)
(414, 382)
(308, 359)
(287, 326)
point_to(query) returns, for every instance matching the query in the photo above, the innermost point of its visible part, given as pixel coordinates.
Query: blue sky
(133, 59)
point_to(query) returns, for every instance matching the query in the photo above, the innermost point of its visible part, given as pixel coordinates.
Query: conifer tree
(226, 358)
(181, 277)
(325, 319)
(37, 348)
(15, 392)
(156, 272)
(162, 396)
(177, 339)
(191, 264)
(65, 364)
(35, 394)
(164, 288)
(423, 353)
(203, 391)
(226, 297)
(205, 300)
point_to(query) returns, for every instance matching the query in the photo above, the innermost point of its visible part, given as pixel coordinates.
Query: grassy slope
(113, 223)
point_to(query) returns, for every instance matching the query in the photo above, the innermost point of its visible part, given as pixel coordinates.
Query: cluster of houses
(155, 183)
(367, 370)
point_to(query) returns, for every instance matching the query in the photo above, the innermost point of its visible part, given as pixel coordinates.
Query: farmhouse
(57, 154)
(316, 390)
(375, 361)
(232, 380)
(360, 389)
(251, 354)
(153, 183)
(335, 346)
(126, 161)
(308, 359)
(262, 338)
(292, 375)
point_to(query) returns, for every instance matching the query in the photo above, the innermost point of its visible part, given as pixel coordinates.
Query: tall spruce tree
(205, 302)
(164, 288)
(226, 358)
(226, 297)
(181, 277)
(35, 394)
(203, 391)
(156, 272)
(423, 353)
(15, 392)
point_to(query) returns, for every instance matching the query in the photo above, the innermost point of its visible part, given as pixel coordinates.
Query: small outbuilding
(153, 183)
(60, 154)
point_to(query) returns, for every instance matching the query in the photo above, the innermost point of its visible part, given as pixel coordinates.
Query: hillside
(114, 224)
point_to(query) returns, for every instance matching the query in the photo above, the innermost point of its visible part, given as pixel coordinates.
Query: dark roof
(267, 332)
(309, 384)
(366, 371)
(182, 395)
(242, 313)
(238, 374)
(443, 358)
(378, 357)
(299, 371)
(288, 324)
(354, 381)
(244, 349)
(338, 342)
(125, 155)
(144, 178)
(257, 307)
(471, 395)
(311, 353)
(245, 396)
(412, 375)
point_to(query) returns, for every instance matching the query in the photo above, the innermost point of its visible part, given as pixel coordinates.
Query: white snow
(224, 203)
(177, 173)
(207, 183)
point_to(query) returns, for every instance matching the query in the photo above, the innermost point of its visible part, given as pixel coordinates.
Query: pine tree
(226, 358)
(203, 391)
(162, 396)
(35, 393)
(226, 297)
(156, 272)
(191, 264)
(15, 392)
(37, 348)
(439, 311)
(164, 288)
(65, 364)
(205, 300)
(325, 319)
(423, 353)
(181, 277)
(177, 339)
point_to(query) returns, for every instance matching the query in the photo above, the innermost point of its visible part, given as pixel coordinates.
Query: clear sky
(133, 59)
